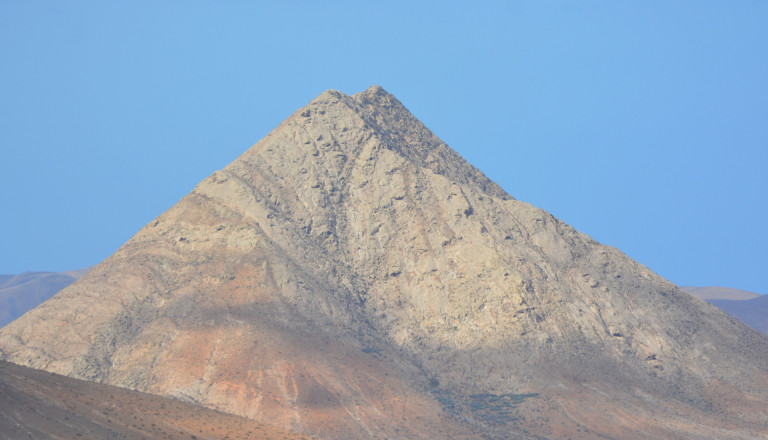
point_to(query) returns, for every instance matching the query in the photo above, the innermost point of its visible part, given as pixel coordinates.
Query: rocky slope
(21, 293)
(350, 276)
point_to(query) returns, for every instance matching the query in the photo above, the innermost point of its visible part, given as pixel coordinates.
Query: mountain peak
(375, 93)
(343, 125)
(375, 90)
(351, 276)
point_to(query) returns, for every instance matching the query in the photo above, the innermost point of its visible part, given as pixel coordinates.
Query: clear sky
(642, 124)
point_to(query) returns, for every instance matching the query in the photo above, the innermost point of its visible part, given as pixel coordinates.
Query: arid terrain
(351, 276)
(40, 405)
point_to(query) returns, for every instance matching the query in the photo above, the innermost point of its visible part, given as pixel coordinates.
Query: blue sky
(642, 124)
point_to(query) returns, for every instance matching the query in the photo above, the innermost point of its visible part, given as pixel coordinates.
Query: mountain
(21, 293)
(40, 405)
(351, 276)
(714, 292)
(748, 307)
(753, 312)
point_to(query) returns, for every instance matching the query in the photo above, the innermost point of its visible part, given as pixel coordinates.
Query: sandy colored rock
(351, 276)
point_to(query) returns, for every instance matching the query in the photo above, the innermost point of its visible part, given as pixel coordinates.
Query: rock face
(350, 276)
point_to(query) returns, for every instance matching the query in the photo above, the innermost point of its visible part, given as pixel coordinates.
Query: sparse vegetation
(498, 409)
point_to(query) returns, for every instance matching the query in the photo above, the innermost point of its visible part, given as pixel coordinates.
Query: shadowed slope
(41, 405)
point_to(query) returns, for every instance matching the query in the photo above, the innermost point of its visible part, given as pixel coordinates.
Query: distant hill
(715, 292)
(748, 307)
(40, 405)
(23, 292)
(753, 312)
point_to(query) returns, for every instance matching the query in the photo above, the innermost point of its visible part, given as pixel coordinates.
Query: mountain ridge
(719, 293)
(352, 276)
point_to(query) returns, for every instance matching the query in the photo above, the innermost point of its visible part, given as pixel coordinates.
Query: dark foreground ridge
(40, 405)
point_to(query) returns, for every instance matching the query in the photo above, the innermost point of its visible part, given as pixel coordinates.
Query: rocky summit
(350, 276)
